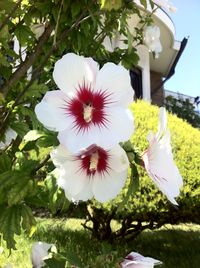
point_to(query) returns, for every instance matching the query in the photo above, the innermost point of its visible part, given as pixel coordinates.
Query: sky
(186, 79)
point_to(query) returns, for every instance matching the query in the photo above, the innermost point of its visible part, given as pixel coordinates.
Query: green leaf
(20, 189)
(20, 127)
(23, 34)
(36, 90)
(8, 179)
(28, 220)
(10, 219)
(33, 135)
(48, 140)
(55, 263)
(144, 3)
(5, 162)
(75, 9)
(56, 196)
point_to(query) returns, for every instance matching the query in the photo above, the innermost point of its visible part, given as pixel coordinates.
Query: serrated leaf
(20, 127)
(19, 190)
(5, 162)
(28, 220)
(10, 219)
(8, 179)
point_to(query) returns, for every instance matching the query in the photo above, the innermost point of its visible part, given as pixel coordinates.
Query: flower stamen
(94, 162)
(87, 112)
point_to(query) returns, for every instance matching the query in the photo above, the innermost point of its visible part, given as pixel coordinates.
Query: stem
(6, 20)
(57, 23)
(42, 163)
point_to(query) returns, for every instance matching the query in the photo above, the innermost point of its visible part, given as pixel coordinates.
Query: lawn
(177, 246)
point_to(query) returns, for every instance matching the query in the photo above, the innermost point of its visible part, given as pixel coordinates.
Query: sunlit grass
(176, 246)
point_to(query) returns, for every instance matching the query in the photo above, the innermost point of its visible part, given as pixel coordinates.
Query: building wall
(157, 93)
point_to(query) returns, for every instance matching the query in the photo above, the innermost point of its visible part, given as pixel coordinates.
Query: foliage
(184, 109)
(81, 27)
(148, 208)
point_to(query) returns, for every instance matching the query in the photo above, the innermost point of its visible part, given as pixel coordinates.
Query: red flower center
(88, 107)
(95, 159)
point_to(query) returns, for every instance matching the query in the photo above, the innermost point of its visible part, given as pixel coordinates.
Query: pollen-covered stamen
(87, 112)
(94, 159)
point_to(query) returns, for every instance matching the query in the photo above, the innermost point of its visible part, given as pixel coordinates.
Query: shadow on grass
(176, 247)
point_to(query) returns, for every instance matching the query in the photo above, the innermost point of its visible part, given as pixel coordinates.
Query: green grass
(177, 246)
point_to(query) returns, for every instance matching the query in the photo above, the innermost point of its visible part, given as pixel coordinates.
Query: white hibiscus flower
(136, 260)
(152, 39)
(91, 107)
(159, 163)
(39, 253)
(94, 172)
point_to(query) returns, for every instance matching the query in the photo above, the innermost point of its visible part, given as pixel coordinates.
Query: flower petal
(119, 128)
(51, 111)
(162, 124)
(84, 195)
(60, 155)
(76, 141)
(118, 160)
(161, 168)
(73, 70)
(108, 185)
(115, 79)
(71, 178)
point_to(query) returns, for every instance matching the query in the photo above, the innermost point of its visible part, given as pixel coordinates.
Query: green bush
(148, 207)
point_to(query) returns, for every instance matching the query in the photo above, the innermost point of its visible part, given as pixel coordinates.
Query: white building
(151, 73)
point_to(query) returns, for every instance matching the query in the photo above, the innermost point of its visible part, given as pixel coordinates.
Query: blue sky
(186, 79)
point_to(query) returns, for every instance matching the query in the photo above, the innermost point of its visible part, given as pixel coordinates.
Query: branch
(28, 61)
(6, 20)
(42, 163)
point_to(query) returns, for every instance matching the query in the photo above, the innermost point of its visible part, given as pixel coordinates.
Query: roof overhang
(167, 37)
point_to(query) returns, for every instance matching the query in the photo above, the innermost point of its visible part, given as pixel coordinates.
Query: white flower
(94, 172)
(136, 260)
(38, 29)
(91, 107)
(152, 39)
(159, 163)
(39, 253)
(9, 136)
(165, 4)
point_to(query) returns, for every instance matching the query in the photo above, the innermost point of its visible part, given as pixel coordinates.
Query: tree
(33, 36)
